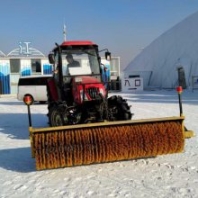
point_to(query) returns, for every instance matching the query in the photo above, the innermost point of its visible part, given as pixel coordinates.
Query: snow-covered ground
(174, 175)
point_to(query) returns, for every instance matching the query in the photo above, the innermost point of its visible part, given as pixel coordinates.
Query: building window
(15, 65)
(36, 65)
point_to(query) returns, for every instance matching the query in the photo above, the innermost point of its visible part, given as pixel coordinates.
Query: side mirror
(51, 58)
(108, 56)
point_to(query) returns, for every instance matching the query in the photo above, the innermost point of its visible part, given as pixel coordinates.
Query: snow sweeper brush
(65, 146)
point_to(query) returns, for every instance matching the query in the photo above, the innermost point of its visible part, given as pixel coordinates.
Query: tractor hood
(86, 80)
(87, 88)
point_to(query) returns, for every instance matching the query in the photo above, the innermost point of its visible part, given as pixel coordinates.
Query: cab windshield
(80, 62)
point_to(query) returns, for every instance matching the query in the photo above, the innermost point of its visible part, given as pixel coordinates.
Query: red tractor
(76, 92)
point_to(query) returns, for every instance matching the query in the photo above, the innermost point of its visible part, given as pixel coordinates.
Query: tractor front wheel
(55, 117)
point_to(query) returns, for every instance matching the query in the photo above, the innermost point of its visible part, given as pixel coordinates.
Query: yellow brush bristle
(83, 146)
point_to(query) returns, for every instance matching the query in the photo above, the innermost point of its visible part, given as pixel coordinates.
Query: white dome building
(177, 48)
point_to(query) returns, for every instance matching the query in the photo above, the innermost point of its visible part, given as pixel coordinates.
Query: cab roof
(76, 43)
(83, 42)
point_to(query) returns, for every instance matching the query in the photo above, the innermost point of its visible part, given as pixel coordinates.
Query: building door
(14, 76)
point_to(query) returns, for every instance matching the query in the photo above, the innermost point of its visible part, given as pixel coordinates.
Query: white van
(35, 86)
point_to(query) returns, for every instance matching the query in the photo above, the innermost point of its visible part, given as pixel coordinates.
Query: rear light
(27, 100)
(179, 89)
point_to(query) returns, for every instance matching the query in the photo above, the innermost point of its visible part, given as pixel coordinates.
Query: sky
(125, 27)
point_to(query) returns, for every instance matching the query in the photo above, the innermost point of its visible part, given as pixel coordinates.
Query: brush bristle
(83, 146)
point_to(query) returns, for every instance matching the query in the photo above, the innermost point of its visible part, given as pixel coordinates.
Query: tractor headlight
(81, 95)
(102, 91)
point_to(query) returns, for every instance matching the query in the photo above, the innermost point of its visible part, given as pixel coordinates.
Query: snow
(173, 175)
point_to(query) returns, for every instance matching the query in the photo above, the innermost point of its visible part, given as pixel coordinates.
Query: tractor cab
(76, 58)
(77, 70)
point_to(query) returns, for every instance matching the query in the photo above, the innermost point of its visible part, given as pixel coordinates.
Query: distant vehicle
(34, 86)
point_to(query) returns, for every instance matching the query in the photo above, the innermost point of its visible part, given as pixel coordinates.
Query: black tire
(119, 108)
(55, 117)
